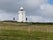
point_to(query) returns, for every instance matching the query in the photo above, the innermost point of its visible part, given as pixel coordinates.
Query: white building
(22, 17)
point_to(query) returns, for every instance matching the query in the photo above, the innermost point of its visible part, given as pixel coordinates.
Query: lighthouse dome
(21, 8)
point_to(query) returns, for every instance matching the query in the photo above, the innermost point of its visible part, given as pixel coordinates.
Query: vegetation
(26, 31)
(24, 35)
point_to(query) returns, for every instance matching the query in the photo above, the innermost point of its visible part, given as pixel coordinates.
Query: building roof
(21, 8)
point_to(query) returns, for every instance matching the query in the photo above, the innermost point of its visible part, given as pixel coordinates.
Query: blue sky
(50, 1)
(36, 10)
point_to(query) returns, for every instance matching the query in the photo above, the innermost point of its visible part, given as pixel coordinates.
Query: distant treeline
(42, 23)
(49, 23)
(8, 21)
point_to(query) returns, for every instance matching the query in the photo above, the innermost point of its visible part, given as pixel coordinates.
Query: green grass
(25, 31)
(14, 35)
(24, 35)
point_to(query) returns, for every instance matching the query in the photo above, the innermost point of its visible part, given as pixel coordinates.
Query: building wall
(22, 17)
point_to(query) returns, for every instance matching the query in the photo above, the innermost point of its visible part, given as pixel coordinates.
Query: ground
(25, 31)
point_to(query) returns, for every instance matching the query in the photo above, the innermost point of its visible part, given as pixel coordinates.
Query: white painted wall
(22, 17)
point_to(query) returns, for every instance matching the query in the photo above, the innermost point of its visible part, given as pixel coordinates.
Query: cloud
(37, 19)
(32, 2)
(9, 5)
(7, 16)
(47, 9)
(40, 10)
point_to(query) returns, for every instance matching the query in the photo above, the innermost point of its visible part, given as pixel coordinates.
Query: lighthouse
(22, 17)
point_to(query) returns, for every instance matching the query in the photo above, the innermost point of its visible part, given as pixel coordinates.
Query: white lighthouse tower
(21, 15)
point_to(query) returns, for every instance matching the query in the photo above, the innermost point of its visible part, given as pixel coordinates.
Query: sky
(36, 10)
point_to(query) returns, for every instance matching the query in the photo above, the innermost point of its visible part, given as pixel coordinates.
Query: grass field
(25, 31)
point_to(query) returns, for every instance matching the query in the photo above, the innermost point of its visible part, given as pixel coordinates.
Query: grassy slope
(23, 31)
